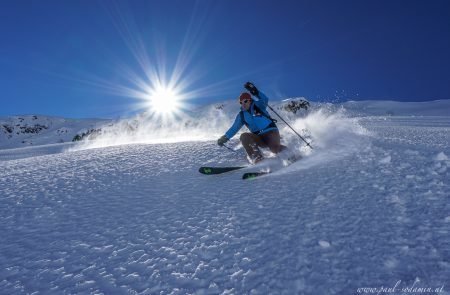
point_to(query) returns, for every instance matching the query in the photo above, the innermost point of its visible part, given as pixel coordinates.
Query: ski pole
(250, 87)
(229, 148)
(307, 143)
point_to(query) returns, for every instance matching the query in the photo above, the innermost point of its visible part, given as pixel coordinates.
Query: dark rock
(33, 129)
(295, 105)
(8, 128)
(90, 134)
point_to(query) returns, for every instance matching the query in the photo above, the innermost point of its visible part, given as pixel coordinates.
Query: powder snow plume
(331, 131)
(325, 126)
(202, 125)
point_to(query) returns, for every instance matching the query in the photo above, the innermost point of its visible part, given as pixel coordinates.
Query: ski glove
(221, 141)
(251, 88)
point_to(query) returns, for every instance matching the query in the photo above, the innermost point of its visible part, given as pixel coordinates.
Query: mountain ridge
(28, 130)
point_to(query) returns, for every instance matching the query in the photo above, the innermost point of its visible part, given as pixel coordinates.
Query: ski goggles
(244, 101)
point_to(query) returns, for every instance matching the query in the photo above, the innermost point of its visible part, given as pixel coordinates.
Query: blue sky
(90, 58)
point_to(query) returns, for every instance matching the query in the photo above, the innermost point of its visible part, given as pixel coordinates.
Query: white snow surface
(368, 207)
(33, 130)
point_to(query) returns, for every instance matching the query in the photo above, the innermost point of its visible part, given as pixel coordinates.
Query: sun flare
(164, 100)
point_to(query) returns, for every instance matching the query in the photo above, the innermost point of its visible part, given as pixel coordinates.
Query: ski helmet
(244, 96)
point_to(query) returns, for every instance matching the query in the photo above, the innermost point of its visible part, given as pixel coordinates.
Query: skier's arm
(262, 101)
(237, 125)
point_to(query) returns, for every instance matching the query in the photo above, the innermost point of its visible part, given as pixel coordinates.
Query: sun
(164, 100)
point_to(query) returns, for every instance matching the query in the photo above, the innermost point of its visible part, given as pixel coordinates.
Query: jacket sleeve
(237, 125)
(262, 101)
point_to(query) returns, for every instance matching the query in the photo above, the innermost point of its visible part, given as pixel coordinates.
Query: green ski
(218, 170)
(253, 175)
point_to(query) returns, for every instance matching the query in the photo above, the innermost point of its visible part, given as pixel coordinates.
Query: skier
(264, 131)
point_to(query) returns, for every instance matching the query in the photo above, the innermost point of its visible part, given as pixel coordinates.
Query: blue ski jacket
(258, 123)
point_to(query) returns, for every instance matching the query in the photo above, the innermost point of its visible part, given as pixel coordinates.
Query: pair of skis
(220, 170)
(248, 175)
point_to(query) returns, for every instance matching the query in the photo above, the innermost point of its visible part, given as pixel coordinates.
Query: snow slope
(205, 123)
(395, 108)
(27, 130)
(197, 124)
(369, 207)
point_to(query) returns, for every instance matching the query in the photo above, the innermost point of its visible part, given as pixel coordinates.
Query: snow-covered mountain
(367, 209)
(23, 131)
(198, 124)
(27, 130)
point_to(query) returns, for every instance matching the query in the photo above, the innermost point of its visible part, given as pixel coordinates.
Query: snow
(441, 157)
(369, 206)
(395, 108)
(32, 130)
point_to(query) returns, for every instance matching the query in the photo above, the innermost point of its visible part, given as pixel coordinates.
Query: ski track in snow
(140, 219)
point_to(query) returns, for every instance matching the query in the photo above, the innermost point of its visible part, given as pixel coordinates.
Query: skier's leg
(251, 144)
(272, 140)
